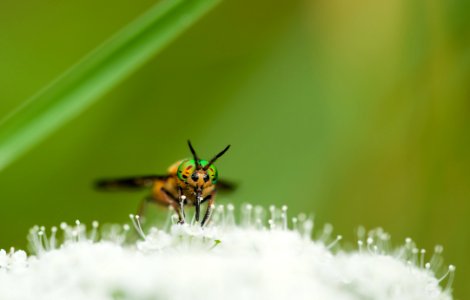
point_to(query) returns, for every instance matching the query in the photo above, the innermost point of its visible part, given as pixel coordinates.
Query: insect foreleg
(206, 198)
(176, 203)
(210, 205)
(172, 197)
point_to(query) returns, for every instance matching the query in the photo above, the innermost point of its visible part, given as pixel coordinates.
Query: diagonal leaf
(96, 74)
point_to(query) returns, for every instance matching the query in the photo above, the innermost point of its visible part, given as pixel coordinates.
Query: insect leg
(175, 202)
(143, 206)
(210, 206)
(206, 198)
(172, 197)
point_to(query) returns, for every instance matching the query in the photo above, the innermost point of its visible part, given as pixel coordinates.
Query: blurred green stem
(96, 74)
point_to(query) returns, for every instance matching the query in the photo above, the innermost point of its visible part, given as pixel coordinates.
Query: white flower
(222, 261)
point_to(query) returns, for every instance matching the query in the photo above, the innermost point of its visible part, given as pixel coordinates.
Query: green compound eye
(211, 171)
(185, 169)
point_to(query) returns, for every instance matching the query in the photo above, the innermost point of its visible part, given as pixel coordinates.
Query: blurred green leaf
(96, 74)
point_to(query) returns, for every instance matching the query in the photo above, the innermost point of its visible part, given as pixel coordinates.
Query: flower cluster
(258, 257)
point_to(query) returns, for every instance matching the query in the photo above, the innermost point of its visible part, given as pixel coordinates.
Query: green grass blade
(96, 74)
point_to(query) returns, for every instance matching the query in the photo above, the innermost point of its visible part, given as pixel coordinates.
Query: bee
(188, 182)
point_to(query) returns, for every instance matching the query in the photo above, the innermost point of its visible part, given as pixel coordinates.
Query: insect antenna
(215, 158)
(196, 159)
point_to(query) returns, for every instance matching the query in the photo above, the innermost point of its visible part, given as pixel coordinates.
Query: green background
(358, 112)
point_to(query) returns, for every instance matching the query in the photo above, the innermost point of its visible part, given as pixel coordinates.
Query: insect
(188, 182)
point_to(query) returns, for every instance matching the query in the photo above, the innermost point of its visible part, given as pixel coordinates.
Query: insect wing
(225, 186)
(129, 183)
